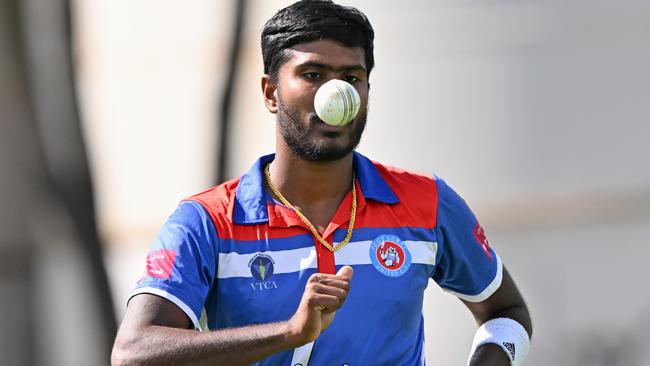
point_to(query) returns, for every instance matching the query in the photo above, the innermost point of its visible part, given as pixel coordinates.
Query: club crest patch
(261, 267)
(390, 256)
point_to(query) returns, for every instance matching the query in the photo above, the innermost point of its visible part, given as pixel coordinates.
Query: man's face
(309, 66)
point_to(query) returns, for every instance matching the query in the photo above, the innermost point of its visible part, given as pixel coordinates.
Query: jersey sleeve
(181, 264)
(467, 266)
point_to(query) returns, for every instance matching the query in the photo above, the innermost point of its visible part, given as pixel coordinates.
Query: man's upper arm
(181, 265)
(506, 302)
(146, 310)
(469, 268)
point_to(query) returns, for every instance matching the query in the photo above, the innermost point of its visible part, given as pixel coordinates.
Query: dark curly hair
(310, 20)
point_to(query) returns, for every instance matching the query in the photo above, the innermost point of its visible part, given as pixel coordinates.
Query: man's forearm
(161, 345)
(519, 313)
(489, 355)
(503, 317)
(154, 332)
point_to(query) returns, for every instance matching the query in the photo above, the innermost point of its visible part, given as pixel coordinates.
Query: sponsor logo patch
(482, 240)
(160, 263)
(390, 256)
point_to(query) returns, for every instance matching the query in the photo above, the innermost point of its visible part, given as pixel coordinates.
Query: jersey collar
(251, 198)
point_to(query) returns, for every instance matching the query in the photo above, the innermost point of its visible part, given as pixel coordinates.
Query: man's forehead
(327, 52)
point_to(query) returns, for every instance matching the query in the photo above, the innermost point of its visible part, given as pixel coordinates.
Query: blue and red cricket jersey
(235, 253)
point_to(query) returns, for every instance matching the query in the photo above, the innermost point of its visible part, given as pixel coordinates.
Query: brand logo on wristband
(390, 256)
(511, 349)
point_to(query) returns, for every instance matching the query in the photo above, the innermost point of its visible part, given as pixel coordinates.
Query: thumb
(345, 271)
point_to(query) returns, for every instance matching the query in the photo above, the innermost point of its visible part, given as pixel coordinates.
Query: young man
(317, 256)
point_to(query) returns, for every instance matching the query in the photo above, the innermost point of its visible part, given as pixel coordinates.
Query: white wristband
(507, 334)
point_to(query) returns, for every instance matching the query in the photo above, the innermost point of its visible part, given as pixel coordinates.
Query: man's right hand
(154, 330)
(324, 294)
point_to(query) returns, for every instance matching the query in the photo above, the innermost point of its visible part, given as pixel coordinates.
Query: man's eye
(311, 75)
(351, 79)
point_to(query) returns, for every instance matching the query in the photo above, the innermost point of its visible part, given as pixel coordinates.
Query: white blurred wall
(536, 112)
(149, 75)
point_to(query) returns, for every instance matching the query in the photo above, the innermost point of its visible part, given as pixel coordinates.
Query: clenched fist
(324, 294)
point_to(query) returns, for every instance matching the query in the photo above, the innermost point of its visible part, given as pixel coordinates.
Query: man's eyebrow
(330, 67)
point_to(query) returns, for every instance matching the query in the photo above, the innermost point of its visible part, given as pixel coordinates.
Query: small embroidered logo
(511, 348)
(479, 234)
(160, 263)
(261, 267)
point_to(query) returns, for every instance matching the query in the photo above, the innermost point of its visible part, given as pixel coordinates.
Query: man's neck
(317, 188)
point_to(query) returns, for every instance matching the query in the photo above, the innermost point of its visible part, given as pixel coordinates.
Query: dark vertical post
(18, 168)
(227, 98)
(47, 34)
(54, 307)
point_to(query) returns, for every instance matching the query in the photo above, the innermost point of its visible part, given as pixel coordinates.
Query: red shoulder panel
(418, 196)
(219, 202)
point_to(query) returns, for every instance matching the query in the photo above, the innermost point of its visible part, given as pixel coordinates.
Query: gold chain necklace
(353, 213)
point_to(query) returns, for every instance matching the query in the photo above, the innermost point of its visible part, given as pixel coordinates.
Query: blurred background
(536, 112)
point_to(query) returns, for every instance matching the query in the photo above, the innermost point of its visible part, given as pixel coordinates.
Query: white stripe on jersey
(236, 265)
(355, 253)
(422, 252)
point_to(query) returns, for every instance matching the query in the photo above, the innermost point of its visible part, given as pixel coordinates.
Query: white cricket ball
(337, 102)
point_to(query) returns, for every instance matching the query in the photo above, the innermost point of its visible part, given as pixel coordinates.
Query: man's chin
(320, 142)
(322, 154)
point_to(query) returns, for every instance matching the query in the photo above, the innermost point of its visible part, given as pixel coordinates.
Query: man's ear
(269, 91)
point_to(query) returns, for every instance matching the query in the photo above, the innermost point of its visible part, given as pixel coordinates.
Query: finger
(330, 290)
(345, 272)
(334, 282)
(330, 279)
(324, 303)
